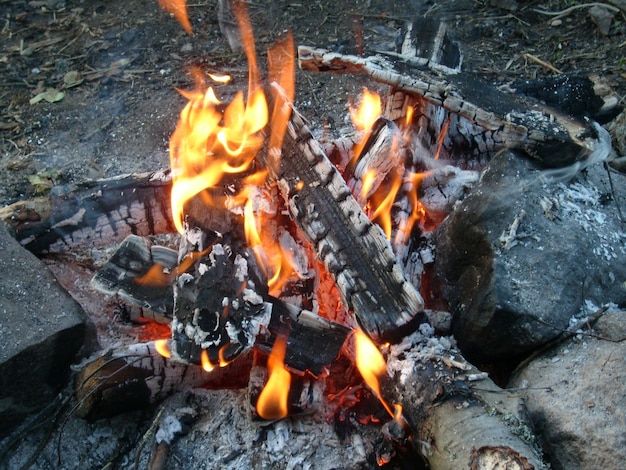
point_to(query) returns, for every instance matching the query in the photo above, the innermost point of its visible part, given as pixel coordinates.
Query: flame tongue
(371, 365)
(273, 400)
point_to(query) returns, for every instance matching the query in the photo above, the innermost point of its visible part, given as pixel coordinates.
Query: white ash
(419, 347)
(224, 436)
(184, 278)
(583, 203)
(442, 188)
(193, 236)
(241, 268)
(169, 429)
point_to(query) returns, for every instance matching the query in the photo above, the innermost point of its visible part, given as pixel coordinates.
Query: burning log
(141, 274)
(353, 249)
(486, 116)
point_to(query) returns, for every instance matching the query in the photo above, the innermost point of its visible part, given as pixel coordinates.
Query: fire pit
(300, 260)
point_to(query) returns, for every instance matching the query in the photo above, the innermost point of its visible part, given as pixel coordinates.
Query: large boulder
(519, 257)
(42, 329)
(575, 396)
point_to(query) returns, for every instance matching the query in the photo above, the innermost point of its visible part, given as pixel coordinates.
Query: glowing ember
(371, 365)
(162, 347)
(273, 400)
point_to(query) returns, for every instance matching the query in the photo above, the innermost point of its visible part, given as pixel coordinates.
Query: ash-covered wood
(222, 307)
(505, 120)
(452, 414)
(219, 302)
(352, 248)
(94, 213)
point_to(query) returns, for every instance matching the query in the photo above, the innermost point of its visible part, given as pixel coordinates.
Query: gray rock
(576, 398)
(518, 257)
(41, 327)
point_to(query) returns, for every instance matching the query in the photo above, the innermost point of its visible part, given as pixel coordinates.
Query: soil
(118, 65)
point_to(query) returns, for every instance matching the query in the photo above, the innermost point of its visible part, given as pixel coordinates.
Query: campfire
(250, 158)
(304, 265)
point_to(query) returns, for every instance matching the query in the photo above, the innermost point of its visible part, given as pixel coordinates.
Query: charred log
(503, 119)
(133, 377)
(93, 213)
(142, 274)
(352, 248)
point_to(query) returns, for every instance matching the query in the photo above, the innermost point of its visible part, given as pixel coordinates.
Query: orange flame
(209, 143)
(206, 363)
(364, 116)
(213, 140)
(162, 347)
(273, 400)
(178, 8)
(371, 365)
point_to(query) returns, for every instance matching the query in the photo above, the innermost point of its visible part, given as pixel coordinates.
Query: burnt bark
(93, 213)
(454, 415)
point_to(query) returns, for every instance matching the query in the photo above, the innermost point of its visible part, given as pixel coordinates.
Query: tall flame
(178, 8)
(371, 365)
(273, 400)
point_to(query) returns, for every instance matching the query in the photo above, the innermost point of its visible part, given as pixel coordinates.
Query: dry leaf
(51, 95)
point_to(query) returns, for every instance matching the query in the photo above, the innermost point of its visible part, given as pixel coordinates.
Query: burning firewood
(495, 119)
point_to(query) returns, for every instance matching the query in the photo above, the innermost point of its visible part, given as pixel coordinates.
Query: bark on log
(454, 415)
(506, 120)
(352, 248)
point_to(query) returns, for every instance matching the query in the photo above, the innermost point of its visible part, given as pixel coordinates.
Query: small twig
(148, 435)
(563, 13)
(541, 62)
(615, 198)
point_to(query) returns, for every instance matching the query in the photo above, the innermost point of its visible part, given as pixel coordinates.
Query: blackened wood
(219, 301)
(430, 41)
(353, 249)
(95, 213)
(135, 376)
(140, 273)
(516, 122)
(312, 341)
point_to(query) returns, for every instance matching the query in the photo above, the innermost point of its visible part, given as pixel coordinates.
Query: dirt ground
(113, 67)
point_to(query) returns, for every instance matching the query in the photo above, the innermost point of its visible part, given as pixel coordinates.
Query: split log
(352, 248)
(452, 414)
(141, 274)
(495, 118)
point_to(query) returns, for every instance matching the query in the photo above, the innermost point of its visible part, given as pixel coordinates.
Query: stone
(576, 398)
(518, 257)
(42, 329)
